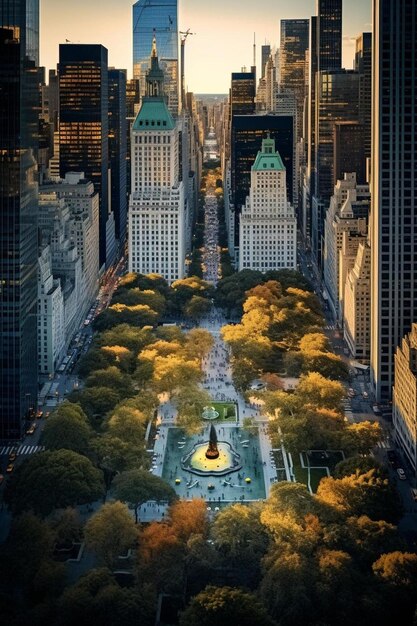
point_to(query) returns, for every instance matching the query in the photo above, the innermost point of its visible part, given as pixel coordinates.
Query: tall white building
(83, 202)
(51, 316)
(157, 207)
(348, 212)
(268, 226)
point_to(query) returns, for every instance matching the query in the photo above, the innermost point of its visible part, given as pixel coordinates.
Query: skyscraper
(157, 206)
(159, 18)
(117, 151)
(394, 185)
(363, 65)
(329, 35)
(293, 62)
(242, 93)
(265, 52)
(84, 123)
(19, 97)
(267, 225)
(325, 55)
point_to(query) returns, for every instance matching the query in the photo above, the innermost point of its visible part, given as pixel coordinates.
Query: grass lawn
(320, 463)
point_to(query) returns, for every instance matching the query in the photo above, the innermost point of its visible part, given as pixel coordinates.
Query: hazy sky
(224, 32)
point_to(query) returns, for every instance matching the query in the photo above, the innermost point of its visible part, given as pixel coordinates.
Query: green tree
(118, 455)
(97, 598)
(53, 480)
(138, 486)
(28, 545)
(128, 424)
(66, 526)
(358, 464)
(197, 307)
(242, 540)
(199, 343)
(225, 605)
(96, 402)
(130, 337)
(190, 401)
(361, 494)
(110, 532)
(362, 437)
(67, 429)
(112, 378)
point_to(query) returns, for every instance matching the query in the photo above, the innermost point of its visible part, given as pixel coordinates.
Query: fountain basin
(197, 462)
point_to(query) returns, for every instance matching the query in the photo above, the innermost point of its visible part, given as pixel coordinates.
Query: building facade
(394, 185)
(84, 125)
(404, 398)
(348, 213)
(118, 152)
(157, 18)
(19, 97)
(51, 317)
(356, 306)
(157, 207)
(267, 225)
(246, 141)
(293, 65)
(82, 200)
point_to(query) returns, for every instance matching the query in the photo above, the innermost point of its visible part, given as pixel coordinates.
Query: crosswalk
(330, 327)
(21, 450)
(383, 444)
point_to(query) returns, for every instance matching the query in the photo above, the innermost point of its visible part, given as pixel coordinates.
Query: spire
(154, 76)
(154, 53)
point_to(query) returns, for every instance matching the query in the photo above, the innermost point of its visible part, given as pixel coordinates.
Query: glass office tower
(118, 151)
(394, 185)
(159, 17)
(19, 100)
(84, 121)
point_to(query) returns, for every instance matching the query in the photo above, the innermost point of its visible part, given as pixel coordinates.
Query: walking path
(217, 381)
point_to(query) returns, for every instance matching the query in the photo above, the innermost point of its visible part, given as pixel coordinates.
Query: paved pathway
(217, 375)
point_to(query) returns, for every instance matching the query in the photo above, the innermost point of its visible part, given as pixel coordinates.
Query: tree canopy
(52, 480)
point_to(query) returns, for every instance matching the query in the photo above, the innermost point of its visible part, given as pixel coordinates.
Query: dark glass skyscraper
(293, 63)
(329, 35)
(159, 17)
(118, 151)
(83, 120)
(265, 53)
(394, 185)
(19, 100)
(242, 93)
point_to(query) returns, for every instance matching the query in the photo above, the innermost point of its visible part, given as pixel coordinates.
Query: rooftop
(154, 115)
(267, 158)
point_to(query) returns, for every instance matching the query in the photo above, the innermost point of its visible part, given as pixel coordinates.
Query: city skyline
(211, 23)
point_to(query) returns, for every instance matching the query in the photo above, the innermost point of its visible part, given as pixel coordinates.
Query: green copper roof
(267, 158)
(153, 115)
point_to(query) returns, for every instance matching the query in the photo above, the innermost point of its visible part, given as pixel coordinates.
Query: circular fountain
(212, 457)
(209, 413)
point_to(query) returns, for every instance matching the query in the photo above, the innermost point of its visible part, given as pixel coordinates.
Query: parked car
(1, 478)
(10, 468)
(401, 473)
(413, 494)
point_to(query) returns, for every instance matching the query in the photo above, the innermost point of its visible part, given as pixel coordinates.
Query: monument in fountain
(212, 457)
(212, 451)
